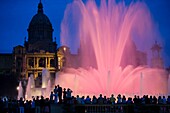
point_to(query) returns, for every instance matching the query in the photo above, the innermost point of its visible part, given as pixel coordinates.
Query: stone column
(34, 63)
(37, 62)
(26, 74)
(49, 62)
(46, 62)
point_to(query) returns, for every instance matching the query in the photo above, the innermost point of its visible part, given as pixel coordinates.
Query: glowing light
(64, 49)
(17, 88)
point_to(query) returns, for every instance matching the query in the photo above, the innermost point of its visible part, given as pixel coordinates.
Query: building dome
(40, 19)
(40, 27)
(40, 32)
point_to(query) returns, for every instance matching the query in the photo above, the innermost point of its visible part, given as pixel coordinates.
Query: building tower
(156, 61)
(39, 51)
(40, 33)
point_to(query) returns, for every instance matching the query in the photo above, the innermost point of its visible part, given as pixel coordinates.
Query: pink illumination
(106, 36)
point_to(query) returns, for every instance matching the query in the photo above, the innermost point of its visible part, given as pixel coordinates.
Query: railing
(122, 108)
(90, 108)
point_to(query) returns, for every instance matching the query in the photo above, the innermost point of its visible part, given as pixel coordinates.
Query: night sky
(15, 16)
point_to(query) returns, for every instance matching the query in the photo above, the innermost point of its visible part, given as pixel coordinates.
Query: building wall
(6, 63)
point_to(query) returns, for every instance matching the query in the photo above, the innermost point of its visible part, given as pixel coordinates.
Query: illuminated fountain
(20, 90)
(105, 36)
(44, 90)
(45, 78)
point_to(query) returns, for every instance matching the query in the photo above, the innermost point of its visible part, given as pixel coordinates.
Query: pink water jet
(20, 91)
(44, 90)
(107, 37)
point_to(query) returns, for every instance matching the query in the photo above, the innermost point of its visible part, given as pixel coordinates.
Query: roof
(40, 18)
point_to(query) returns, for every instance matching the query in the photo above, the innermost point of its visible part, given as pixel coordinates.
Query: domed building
(39, 51)
(40, 33)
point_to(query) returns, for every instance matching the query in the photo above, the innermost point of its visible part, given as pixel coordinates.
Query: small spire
(40, 7)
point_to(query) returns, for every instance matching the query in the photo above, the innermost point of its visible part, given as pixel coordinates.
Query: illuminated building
(156, 61)
(39, 51)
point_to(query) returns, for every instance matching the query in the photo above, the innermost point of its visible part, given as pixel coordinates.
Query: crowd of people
(64, 96)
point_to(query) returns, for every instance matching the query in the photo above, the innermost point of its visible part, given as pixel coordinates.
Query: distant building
(67, 59)
(156, 61)
(6, 62)
(132, 56)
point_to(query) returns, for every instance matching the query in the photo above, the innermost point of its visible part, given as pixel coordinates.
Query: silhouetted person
(55, 95)
(104, 100)
(37, 105)
(78, 99)
(56, 98)
(51, 97)
(130, 106)
(124, 100)
(55, 90)
(82, 100)
(155, 100)
(59, 94)
(163, 100)
(112, 99)
(88, 100)
(135, 100)
(159, 100)
(21, 105)
(33, 106)
(64, 95)
(147, 101)
(47, 106)
(129, 101)
(151, 100)
(42, 103)
(94, 100)
(100, 99)
(119, 99)
(69, 91)
(27, 106)
(168, 100)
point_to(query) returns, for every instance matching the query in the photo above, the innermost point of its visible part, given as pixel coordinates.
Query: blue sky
(15, 16)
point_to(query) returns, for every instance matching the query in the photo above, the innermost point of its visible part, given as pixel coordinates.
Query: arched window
(31, 62)
(52, 63)
(42, 62)
(40, 74)
(64, 61)
(29, 74)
